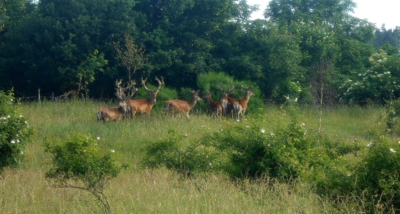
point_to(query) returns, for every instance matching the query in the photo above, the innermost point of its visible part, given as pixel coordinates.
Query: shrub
(15, 132)
(170, 152)
(286, 153)
(78, 163)
(377, 176)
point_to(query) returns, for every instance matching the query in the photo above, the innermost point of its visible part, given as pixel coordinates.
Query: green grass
(139, 190)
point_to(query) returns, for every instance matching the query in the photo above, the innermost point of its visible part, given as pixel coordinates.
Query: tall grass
(140, 190)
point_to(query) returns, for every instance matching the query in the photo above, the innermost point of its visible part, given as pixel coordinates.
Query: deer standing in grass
(240, 105)
(144, 106)
(181, 106)
(117, 113)
(215, 107)
(226, 101)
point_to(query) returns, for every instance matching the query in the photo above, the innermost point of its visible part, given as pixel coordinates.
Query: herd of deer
(129, 107)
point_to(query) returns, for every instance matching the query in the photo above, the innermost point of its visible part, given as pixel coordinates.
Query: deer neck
(193, 102)
(247, 96)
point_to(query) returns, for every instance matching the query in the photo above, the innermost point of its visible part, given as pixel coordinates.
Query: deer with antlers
(144, 106)
(181, 106)
(215, 107)
(240, 105)
(226, 101)
(117, 113)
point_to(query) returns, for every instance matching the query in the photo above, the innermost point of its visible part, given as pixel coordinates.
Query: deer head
(153, 94)
(224, 93)
(124, 94)
(248, 93)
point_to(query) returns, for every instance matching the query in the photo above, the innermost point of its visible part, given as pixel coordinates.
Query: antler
(120, 91)
(230, 90)
(219, 87)
(223, 91)
(160, 83)
(144, 84)
(248, 88)
(132, 92)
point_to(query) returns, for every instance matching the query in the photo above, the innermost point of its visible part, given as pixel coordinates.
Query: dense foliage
(65, 45)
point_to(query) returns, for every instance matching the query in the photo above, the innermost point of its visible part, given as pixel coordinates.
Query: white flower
(237, 120)
(22, 153)
(12, 141)
(392, 150)
(20, 116)
(8, 116)
(369, 144)
(247, 126)
(98, 138)
(272, 134)
(263, 131)
(17, 141)
(303, 124)
(112, 150)
(185, 135)
(295, 99)
(202, 126)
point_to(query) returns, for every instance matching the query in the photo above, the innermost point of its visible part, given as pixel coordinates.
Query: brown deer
(240, 105)
(118, 112)
(226, 101)
(144, 106)
(181, 106)
(215, 107)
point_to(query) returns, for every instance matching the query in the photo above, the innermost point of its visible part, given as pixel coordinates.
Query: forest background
(63, 45)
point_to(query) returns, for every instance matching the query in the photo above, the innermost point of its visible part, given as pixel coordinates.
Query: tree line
(301, 49)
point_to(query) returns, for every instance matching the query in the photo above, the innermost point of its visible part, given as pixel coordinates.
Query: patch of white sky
(377, 12)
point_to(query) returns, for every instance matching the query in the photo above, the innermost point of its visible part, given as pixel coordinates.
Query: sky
(376, 11)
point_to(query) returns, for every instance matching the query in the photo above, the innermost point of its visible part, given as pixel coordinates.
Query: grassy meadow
(139, 190)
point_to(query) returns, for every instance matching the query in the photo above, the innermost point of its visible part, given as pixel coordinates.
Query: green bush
(15, 132)
(79, 163)
(377, 175)
(172, 153)
(286, 153)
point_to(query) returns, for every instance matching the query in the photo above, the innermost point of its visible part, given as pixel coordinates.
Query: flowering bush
(377, 84)
(15, 132)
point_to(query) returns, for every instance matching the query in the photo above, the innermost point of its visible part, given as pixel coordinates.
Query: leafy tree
(131, 56)
(48, 49)
(87, 69)
(15, 132)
